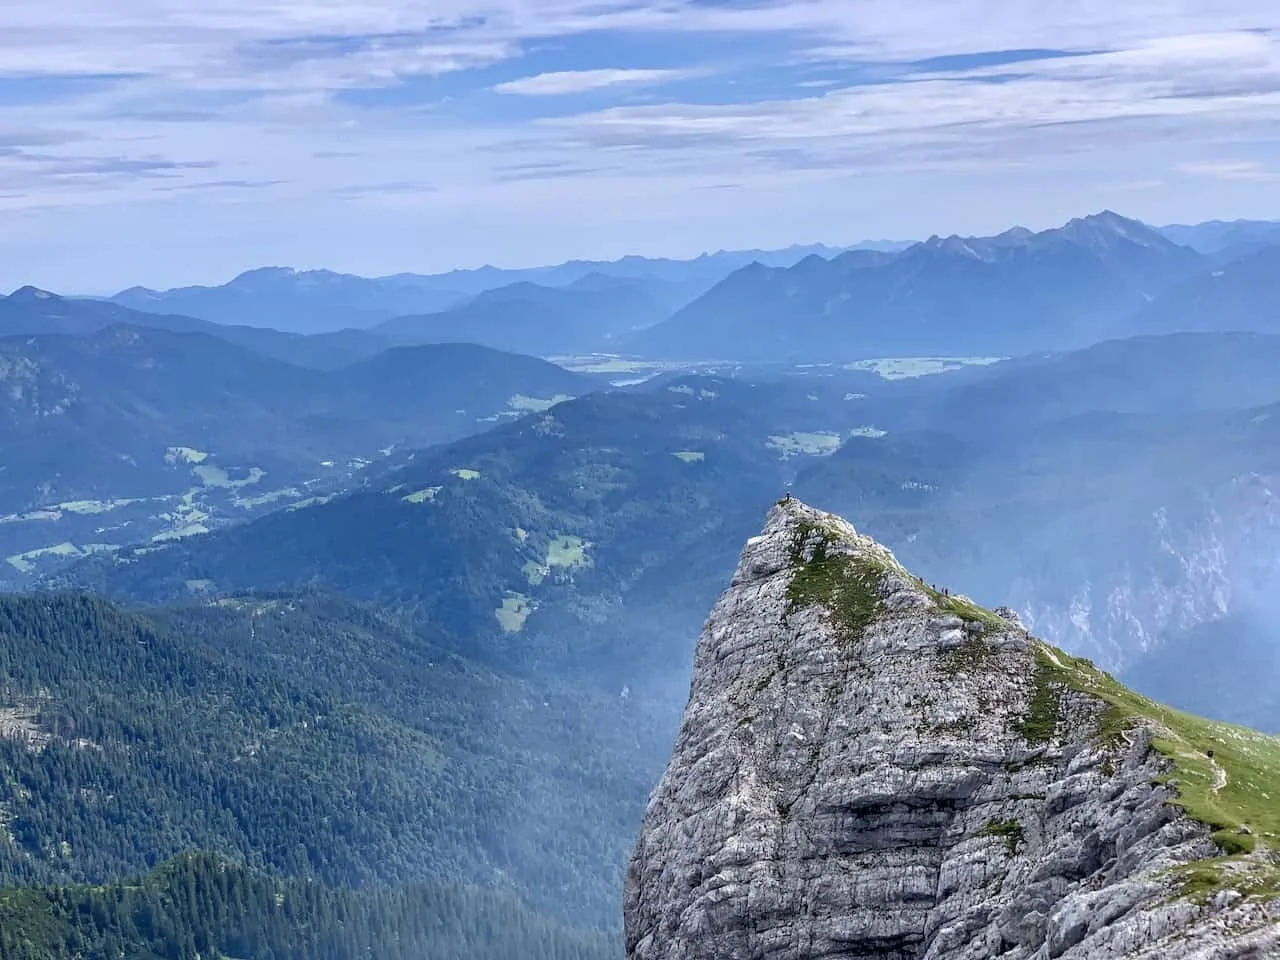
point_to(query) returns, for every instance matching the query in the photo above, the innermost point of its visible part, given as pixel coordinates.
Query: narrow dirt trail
(1219, 775)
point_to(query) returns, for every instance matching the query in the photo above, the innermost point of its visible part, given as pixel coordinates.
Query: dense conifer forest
(201, 906)
(289, 776)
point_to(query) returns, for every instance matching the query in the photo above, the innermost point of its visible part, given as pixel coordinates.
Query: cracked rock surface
(863, 771)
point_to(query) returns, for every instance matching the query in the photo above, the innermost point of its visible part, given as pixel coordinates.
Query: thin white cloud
(563, 82)
(1226, 80)
(1246, 170)
(1158, 88)
(242, 43)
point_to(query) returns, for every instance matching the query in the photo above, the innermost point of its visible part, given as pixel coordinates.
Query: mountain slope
(539, 541)
(298, 301)
(79, 414)
(585, 316)
(307, 737)
(870, 767)
(1106, 494)
(132, 433)
(1240, 295)
(1016, 293)
(30, 311)
(408, 384)
(1201, 667)
(1183, 373)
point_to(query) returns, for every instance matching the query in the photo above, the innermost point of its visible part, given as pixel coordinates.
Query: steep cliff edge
(871, 768)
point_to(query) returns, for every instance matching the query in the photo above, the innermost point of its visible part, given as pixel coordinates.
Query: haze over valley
(894, 580)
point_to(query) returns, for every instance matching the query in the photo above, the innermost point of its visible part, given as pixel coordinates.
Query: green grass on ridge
(1226, 776)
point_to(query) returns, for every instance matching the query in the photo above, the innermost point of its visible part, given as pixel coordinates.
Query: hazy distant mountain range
(1225, 239)
(1096, 277)
(1242, 294)
(316, 301)
(299, 301)
(1014, 293)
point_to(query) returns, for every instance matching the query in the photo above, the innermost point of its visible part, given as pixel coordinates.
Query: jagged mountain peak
(1098, 228)
(30, 293)
(872, 767)
(1109, 226)
(1015, 235)
(957, 245)
(1109, 218)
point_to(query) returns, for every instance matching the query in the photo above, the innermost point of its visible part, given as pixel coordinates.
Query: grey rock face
(860, 774)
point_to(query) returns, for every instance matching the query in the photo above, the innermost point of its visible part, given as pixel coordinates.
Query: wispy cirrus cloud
(591, 121)
(1247, 170)
(394, 188)
(92, 169)
(1209, 74)
(233, 185)
(561, 82)
(550, 170)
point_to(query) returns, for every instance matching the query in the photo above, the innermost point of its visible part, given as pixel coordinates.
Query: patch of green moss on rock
(847, 586)
(1044, 710)
(1253, 877)
(964, 608)
(1009, 830)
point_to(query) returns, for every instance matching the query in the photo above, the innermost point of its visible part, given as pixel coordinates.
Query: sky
(165, 142)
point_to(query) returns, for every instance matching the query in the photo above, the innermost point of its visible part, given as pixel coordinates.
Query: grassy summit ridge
(1226, 776)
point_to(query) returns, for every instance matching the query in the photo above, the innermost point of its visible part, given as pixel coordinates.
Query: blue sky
(166, 141)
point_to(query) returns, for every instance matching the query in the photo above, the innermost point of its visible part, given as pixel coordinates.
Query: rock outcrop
(869, 767)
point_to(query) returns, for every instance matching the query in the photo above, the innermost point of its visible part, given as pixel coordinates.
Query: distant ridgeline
(254, 779)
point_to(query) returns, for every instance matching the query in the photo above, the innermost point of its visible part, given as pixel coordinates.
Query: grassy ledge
(1226, 776)
(1250, 876)
(962, 607)
(847, 586)
(1045, 709)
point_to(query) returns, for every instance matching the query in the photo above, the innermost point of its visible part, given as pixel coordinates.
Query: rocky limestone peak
(869, 767)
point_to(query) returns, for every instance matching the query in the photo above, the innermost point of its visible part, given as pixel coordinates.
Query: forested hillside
(302, 738)
(202, 906)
